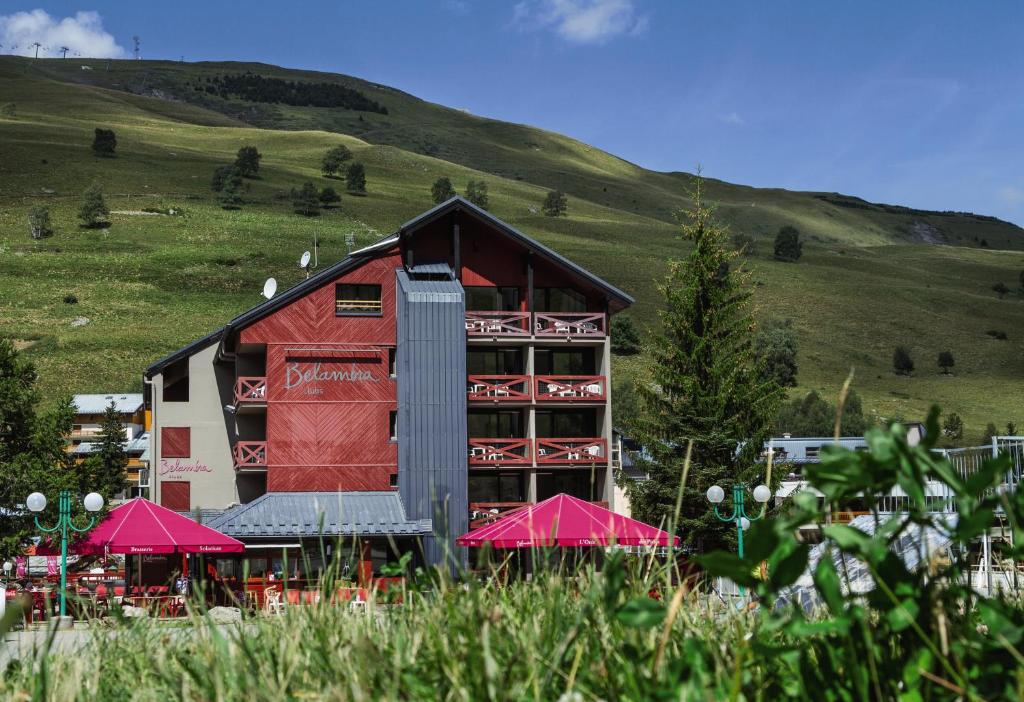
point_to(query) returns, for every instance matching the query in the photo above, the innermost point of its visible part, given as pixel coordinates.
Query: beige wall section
(209, 467)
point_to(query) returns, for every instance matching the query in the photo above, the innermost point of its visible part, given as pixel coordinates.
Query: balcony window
(356, 299)
(564, 362)
(489, 361)
(578, 483)
(488, 424)
(574, 423)
(502, 487)
(559, 300)
(481, 298)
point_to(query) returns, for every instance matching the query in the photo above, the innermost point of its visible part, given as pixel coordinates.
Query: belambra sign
(298, 375)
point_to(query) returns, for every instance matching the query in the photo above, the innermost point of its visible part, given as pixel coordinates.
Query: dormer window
(356, 300)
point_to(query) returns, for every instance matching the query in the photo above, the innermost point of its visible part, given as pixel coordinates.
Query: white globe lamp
(744, 523)
(715, 494)
(93, 502)
(762, 493)
(36, 502)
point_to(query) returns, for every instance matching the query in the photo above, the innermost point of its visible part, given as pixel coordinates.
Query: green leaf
(760, 541)
(789, 567)
(827, 582)
(641, 612)
(902, 615)
(728, 565)
(848, 538)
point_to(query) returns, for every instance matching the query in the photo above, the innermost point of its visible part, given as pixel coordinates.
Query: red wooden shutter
(175, 442)
(176, 495)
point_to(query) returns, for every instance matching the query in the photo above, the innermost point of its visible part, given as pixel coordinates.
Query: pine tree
(705, 386)
(94, 210)
(775, 346)
(442, 190)
(625, 338)
(106, 465)
(788, 246)
(355, 178)
(555, 204)
(946, 361)
(902, 363)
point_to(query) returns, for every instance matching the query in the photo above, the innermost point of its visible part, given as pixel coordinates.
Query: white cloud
(1011, 195)
(83, 34)
(581, 21)
(732, 118)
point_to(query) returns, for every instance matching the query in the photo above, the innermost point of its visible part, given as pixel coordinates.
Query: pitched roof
(357, 258)
(299, 514)
(125, 403)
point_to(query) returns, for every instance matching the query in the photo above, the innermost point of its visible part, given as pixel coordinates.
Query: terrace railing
(498, 323)
(483, 513)
(498, 388)
(250, 389)
(250, 455)
(569, 324)
(568, 388)
(505, 452)
(571, 451)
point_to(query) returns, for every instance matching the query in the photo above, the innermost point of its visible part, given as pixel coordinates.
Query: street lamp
(36, 502)
(715, 495)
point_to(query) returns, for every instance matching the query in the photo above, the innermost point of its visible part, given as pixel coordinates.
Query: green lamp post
(715, 495)
(36, 502)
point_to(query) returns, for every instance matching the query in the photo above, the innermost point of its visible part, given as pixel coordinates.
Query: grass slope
(151, 283)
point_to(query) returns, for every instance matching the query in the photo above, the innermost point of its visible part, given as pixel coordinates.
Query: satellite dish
(269, 288)
(304, 261)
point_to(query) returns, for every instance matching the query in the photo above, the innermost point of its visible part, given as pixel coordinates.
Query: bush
(442, 190)
(355, 179)
(953, 427)
(788, 246)
(625, 338)
(476, 192)
(94, 210)
(997, 334)
(902, 363)
(334, 159)
(222, 174)
(946, 361)
(248, 161)
(1000, 289)
(813, 415)
(306, 200)
(555, 204)
(39, 222)
(104, 142)
(230, 197)
(70, 299)
(744, 243)
(328, 197)
(775, 349)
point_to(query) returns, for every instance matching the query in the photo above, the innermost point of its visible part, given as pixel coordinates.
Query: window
(392, 362)
(559, 300)
(488, 424)
(564, 361)
(393, 425)
(176, 495)
(356, 299)
(175, 378)
(393, 480)
(491, 487)
(579, 484)
(494, 361)
(175, 442)
(812, 451)
(480, 298)
(567, 424)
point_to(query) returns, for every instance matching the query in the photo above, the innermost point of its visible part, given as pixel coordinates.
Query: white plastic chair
(272, 603)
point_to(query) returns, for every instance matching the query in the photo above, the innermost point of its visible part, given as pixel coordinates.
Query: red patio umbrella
(564, 520)
(141, 526)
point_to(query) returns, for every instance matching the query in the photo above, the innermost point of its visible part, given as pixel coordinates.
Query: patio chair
(562, 328)
(593, 450)
(272, 603)
(594, 389)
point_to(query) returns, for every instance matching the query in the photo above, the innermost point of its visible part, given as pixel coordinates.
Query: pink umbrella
(564, 520)
(141, 526)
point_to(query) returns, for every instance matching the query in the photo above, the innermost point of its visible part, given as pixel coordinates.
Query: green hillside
(872, 276)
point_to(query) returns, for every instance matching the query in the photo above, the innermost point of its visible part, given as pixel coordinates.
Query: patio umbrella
(140, 526)
(564, 520)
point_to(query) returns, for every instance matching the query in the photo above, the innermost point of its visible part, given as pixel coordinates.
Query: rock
(224, 615)
(134, 612)
(79, 321)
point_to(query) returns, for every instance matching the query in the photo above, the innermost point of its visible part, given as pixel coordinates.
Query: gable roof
(125, 403)
(360, 256)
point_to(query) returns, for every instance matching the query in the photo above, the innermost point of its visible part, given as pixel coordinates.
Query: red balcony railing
(574, 451)
(498, 323)
(483, 513)
(505, 452)
(567, 388)
(250, 455)
(250, 389)
(498, 388)
(568, 324)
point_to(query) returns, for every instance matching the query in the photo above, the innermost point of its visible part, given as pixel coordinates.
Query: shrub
(221, 175)
(230, 197)
(39, 222)
(355, 179)
(1000, 289)
(70, 299)
(997, 334)
(788, 246)
(902, 363)
(555, 204)
(94, 210)
(328, 197)
(625, 338)
(953, 427)
(248, 161)
(744, 243)
(104, 142)
(946, 361)
(990, 431)
(775, 348)
(442, 190)
(813, 415)
(334, 159)
(476, 192)
(306, 200)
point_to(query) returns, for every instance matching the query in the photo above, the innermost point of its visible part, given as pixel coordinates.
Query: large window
(496, 487)
(564, 361)
(356, 299)
(578, 483)
(489, 424)
(559, 300)
(491, 299)
(567, 424)
(175, 381)
(494, 361)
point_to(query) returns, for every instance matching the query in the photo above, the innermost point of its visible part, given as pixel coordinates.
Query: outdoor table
(160, 605)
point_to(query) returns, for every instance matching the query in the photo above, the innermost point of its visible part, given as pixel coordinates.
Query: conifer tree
(107, 464)
(704, 386)
(442, 190)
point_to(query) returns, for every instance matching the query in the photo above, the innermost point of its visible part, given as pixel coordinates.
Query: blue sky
(915, 103)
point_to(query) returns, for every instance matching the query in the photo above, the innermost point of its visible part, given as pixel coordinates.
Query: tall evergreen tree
(106, 466)
(442, 190)
(705, 386)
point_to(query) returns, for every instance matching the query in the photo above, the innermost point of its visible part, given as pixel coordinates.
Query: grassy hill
(872, 276)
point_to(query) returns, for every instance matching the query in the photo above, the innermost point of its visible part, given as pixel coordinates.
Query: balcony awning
(564, 520)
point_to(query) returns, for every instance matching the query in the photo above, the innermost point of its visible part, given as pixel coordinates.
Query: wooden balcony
(250, 390)
(570, 324)
(500, 452)
(250, 455)
(571, 451)
(498, 388)
(570, 388)
(490, 324)
(483, 513)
